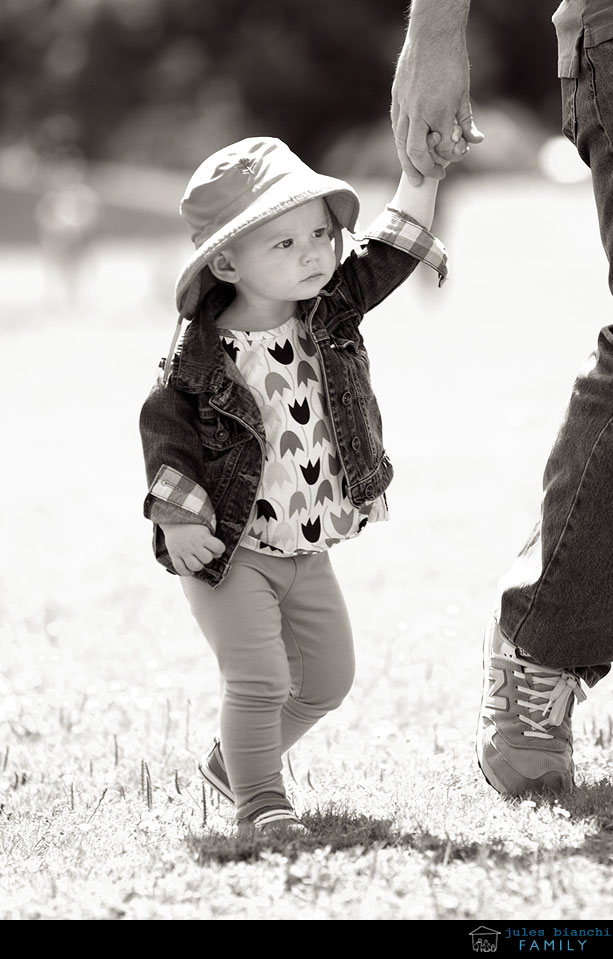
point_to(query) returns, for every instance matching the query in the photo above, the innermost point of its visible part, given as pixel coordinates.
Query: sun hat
(238, 189)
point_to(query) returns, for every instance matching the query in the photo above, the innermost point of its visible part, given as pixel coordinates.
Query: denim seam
(595, 98)
(361, 401)
(573, 110)
(558, 547)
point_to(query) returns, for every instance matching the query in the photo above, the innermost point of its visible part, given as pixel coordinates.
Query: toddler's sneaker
(267, 812)
(213, 770)
(524, 738)
(270, 813)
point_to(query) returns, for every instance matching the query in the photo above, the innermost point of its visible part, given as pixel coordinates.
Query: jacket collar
(201, 364)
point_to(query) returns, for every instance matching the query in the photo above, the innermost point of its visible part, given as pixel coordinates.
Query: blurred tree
(513, 54)
(168, 80)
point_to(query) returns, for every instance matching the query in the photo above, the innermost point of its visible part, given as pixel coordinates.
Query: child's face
(288, 259)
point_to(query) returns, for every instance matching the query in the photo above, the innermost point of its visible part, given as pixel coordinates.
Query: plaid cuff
(179, 491)
(402, 231)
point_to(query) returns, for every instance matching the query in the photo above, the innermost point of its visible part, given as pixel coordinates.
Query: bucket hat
(238, 189)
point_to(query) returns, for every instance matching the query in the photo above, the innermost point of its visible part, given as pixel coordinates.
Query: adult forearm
(439, 18)
(431, 84)
(436, 35)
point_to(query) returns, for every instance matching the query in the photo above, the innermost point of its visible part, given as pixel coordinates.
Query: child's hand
(460, 149)
(191, 546)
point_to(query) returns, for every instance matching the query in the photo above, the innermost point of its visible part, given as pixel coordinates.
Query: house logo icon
(484, 939)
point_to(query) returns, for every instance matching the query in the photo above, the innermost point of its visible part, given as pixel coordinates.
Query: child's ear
(222, 267)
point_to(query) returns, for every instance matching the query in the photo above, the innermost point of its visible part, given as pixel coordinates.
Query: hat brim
(291, 191)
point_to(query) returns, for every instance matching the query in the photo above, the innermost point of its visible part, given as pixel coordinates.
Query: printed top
(302, 506)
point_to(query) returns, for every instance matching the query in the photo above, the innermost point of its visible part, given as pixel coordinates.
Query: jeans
(556, 601)
(280, 631)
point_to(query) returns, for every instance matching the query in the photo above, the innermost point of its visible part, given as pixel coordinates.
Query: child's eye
(319, 232)
(285, 244)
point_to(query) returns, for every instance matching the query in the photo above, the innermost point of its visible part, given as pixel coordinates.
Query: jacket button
(356, 442)
(369, 491)
(221, 434)
(346, 398)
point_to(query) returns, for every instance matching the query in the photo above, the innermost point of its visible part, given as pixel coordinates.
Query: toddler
(263, 444)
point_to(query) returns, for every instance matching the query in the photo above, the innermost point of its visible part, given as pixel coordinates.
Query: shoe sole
(555, 785)
(216, 783)
(277, 828)
(493, 781)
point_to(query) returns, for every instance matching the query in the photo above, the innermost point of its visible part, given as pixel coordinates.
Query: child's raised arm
(419, 201)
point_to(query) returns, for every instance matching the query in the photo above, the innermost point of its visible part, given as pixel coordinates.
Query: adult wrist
(438, 20)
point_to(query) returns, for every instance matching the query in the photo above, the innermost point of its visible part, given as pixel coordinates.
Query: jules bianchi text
(557, 939)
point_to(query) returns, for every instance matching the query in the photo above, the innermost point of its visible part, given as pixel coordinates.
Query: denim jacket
(202, 433)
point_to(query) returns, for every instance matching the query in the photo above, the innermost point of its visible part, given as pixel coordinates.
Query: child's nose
(310, 251)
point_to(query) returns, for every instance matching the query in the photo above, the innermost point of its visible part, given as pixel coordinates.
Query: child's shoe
(213, 770)
(270, 813)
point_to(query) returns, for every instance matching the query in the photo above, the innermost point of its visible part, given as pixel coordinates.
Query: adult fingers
(417, 150)
(466, 120)
(401, 130)
(395, 113)
(470, 131)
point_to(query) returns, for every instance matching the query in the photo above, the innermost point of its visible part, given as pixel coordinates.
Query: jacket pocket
(599, 60)
(218, 434)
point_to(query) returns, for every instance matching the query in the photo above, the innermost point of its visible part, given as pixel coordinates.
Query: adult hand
(431, 89)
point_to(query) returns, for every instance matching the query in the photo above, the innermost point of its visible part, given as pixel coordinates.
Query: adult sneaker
(524, 738)
(213, 770)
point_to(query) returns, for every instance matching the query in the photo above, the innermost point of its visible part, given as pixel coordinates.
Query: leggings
(280, 631)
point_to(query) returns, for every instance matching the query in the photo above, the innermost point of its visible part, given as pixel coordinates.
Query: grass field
(108, 692)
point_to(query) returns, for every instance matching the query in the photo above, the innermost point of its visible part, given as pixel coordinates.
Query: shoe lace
(553, 706)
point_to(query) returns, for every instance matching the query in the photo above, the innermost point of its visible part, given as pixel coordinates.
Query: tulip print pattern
(302, 504)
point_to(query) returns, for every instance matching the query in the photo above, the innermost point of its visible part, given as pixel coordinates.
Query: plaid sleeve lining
(173, 487)
(402, 231)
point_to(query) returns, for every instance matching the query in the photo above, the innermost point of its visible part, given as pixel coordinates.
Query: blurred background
(108, 106)
(99, 96)
(168, 81)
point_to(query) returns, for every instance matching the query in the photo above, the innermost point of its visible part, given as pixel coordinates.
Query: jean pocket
(569, 111)
(600, 59)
